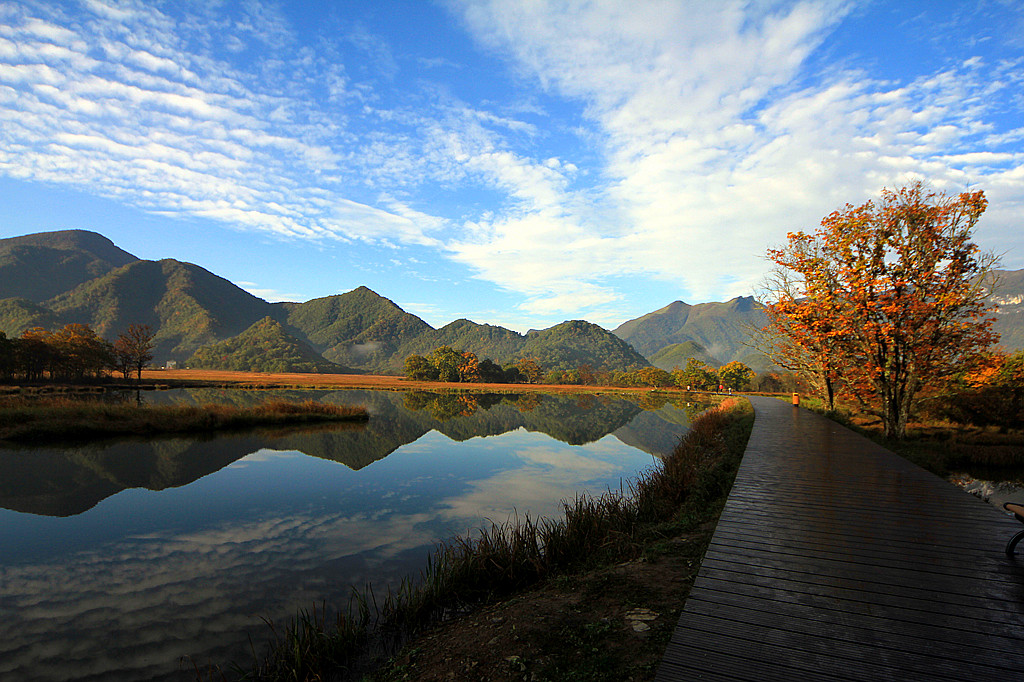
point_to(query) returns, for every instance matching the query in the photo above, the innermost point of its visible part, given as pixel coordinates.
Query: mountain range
(50, 279)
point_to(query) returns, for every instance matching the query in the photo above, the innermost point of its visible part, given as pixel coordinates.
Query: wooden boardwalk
(836, 559)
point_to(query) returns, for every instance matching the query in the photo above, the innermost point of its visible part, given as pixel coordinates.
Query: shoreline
(382, 382)
(56, 418)
(536, 598)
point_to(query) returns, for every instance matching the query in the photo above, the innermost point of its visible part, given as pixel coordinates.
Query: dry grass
(60, 417)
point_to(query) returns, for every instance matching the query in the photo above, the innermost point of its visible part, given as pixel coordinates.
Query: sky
(514, 162)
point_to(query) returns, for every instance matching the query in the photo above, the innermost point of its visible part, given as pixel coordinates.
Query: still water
(126, 560)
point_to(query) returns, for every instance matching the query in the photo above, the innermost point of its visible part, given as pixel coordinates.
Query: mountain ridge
(87, 279)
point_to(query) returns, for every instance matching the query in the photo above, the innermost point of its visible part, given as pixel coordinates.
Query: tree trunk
(897, 414)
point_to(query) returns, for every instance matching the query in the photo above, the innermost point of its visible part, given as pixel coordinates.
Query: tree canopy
(886, 298)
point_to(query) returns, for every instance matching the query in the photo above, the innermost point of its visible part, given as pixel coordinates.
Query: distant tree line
(449, 365)
(73, 353)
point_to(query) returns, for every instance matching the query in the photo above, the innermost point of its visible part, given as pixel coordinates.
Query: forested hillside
(187, 305)
(40, 266)
(264, 347)
(484, 340)
(358, 328)
(575, 343)
(676, 355)
(721, 329)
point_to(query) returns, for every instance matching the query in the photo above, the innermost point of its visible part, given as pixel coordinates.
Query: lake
(124, 560)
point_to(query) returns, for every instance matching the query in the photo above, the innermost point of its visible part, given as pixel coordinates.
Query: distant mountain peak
(672, 308)
(720, 331)
(42, 265)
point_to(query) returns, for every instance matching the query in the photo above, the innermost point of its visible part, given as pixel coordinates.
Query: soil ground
(606, 624)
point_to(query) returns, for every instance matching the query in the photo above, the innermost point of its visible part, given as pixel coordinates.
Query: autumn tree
(444, 363)
(735, 375)
(8, 357)
(798, 337)
(530, 369)
(890, 295)
(490, 372)
(133, 349)
(35, 354)
(469, 367)
(697, 375)
(653, 377)
(418, 368)
(446, 360)
(586, 374)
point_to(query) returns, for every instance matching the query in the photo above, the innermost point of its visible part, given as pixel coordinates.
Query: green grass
(689, 488)
(65, 418)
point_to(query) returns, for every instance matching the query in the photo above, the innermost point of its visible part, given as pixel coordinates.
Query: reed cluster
(61, 417)
(508, 557)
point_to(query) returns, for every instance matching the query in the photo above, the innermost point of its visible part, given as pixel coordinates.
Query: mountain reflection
(207, 537)
(66, 481)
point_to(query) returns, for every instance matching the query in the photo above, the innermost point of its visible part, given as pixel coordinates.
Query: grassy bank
(64, 418)
(664, 517)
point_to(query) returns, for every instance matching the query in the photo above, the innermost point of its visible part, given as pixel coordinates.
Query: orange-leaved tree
(889, 297)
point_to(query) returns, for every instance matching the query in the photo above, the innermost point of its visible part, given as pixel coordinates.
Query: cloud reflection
(129, 607)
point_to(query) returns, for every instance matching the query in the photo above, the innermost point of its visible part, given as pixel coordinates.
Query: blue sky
(516, 163)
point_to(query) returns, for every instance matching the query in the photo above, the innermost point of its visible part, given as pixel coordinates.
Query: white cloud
(698, 134)
(716, 142)
(114, 103)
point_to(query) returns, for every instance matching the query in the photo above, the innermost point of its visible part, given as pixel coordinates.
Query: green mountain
(676, 355)
(264, 347)
(187, 305)
(577, 342)
(40, 266)
(722, 329)
(358, 328)
(484, 340)
(52, 278)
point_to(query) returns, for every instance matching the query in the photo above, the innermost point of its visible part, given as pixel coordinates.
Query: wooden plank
(925, 597)
(919, 561)
(836, 559)
(1000, 623)
(845, 626)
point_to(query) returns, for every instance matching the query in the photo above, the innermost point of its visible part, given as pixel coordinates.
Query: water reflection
(133, 554)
